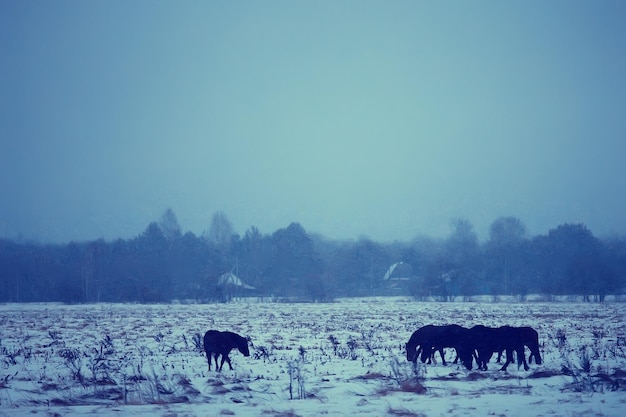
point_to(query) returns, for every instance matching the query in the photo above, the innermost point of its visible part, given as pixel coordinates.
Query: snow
(341, 358)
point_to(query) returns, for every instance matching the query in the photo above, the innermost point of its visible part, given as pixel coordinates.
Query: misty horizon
(352, 118)
(482, 235)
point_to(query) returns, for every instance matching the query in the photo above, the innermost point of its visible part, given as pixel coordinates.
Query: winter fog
(351, 118)
(343, 196)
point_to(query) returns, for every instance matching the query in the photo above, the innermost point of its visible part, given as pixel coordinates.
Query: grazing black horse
(416, 342)
(530, 338)
(221, 343)
(429, 339)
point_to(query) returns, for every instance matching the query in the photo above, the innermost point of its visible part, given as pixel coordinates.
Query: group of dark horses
(478, 343)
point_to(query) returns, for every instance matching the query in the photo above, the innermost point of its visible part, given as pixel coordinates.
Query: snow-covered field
(341, 358)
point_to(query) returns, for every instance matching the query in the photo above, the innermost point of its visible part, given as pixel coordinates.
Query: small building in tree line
(230, 286)
(397, 278)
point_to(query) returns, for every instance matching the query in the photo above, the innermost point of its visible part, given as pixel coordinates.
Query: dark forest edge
(162, 264)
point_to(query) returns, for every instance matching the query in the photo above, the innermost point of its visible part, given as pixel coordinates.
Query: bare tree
(461, 259)
(169, 225)
(507, 231)
(87, 272)
(506, 236)
(221, 231)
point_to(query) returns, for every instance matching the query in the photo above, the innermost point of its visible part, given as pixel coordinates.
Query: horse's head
(243, 346)
(530, 337)
(534, 346)
(411, 348)
(466, 356)
(411, 351)
(534, 350)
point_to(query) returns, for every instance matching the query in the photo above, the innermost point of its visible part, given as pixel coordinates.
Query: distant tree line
(162, 264)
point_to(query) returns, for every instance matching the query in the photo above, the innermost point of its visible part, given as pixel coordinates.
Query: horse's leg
(217, 365)
(521, 354)
(443, 356)
(475, 357)
(227, 359)
(484, 359)
(509, 359)
(208, 357)
(418, 353)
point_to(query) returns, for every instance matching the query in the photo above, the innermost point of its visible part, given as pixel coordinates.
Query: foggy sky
(384, 119)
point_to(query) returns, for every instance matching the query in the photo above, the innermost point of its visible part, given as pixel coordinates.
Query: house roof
(229, 278)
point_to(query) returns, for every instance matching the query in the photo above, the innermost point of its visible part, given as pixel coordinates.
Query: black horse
(218, 343)
(417, 341)
(430, 339)
(530, 338)
(489, 340)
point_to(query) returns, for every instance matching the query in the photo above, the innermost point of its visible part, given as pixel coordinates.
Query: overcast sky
(358, 118)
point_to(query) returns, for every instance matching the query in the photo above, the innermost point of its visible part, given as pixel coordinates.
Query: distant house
(229, 278)
(397, 276)
(230, 285)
